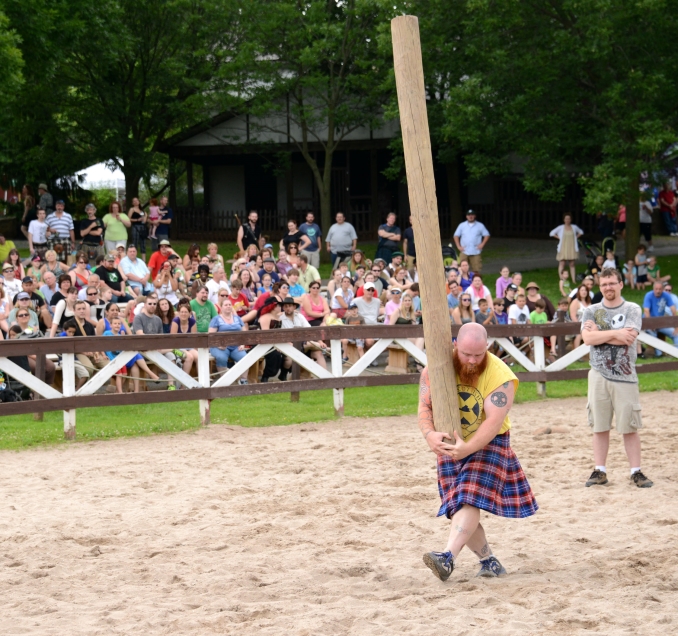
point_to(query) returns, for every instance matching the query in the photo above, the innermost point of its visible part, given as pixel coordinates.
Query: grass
(21, 431)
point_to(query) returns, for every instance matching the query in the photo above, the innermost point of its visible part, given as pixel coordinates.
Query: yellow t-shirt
(471, 399)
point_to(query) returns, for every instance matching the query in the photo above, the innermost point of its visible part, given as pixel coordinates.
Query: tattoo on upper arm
(499, 399)
(505, 385)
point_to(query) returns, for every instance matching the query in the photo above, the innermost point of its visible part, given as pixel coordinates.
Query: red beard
(468, 373)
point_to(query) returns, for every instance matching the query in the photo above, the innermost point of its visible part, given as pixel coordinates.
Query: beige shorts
(607, 398)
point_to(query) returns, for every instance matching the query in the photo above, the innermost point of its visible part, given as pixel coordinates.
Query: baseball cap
(397, 254)
(512, 287)
(26, 279)
(269, 260)
(353, 306)
(60, 201)
(109, 258)
(369, 286)
(43, 186)
(165, 242)
(395, 290)
(173, 257)
(23, 296)
(268, 245)
(120, 244)
(469, 212)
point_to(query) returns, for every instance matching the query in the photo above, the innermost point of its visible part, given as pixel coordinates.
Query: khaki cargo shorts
(606, 398)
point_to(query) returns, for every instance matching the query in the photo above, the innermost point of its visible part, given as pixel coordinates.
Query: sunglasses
(223, 295)
(151, 304)
(314, 287)
(8, 269)
(92, 294)
(22, 315)
(466, 300)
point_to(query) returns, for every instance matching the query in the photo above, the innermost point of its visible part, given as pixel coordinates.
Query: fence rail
(336, 377)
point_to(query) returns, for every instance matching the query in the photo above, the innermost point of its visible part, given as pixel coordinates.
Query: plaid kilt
(490, 479)
(53, 243)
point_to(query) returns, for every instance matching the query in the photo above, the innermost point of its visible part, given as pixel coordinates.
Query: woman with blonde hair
(463, 313)
(214, 257)
(53, 265)
(405, 314)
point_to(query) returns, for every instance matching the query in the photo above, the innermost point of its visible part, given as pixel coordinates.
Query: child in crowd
(503, 281)
(562, 315)
(641, 267)
(597, 267)
(610, 260)
(538, 316)
(484, 313)
(629, 271)
(266, 285)
(653, 273)
(565, 285)
(239, 301)
(333, 320)
(133, 366)
(500, 315)
(154, 217)
(353, 318)
(296, 290)
(70, 329)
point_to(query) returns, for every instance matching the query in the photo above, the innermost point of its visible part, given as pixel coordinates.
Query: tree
(317, 64)
(129, 73)
(11, 63)
(571, 86)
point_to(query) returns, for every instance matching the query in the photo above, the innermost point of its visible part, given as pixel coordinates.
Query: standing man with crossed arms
(611, 328)
(480, 471)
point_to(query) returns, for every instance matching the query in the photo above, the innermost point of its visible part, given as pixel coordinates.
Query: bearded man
(478, 471)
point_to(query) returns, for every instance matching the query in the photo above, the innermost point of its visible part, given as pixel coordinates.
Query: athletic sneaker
(441, 564)
(597, 478)
(490, 568)
(641, 481)
(243, 381)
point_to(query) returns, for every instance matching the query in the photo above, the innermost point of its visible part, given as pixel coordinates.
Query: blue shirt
(452, 301)
(274, 275)
(471, 236)
(313, 231)
(657, 306)
(297, 290)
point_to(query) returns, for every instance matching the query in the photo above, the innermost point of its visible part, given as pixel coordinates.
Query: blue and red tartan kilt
(491, 479)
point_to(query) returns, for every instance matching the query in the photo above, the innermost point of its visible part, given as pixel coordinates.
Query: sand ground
(320, 529)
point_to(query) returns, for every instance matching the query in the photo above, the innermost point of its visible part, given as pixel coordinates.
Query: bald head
(472, 333)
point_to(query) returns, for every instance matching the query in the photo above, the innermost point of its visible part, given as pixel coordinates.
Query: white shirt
(521, 316)
(38, 230)
(213, 287)
(297, 320)
(12, 287)
(369, 311)
(475, 298)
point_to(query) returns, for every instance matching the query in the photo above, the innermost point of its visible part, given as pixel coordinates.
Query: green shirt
(115, 230)
(4, 250)
(538, 319)
(203, 314)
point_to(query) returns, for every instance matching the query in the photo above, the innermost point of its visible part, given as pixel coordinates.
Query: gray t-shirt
(369, 311)
(614, 362)
(341, 237)
(150, 325)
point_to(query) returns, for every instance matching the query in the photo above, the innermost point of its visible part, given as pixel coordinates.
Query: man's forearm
(593, 338)
(487, 431)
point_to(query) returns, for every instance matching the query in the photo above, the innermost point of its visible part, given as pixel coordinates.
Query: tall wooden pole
(409, 73)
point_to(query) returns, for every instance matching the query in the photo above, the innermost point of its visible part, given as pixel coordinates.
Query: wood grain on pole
(409, 74)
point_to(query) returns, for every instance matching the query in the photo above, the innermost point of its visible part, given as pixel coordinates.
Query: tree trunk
(454, 193)
(132, 178)
(632, 218)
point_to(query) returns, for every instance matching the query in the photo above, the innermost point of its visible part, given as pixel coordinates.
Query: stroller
(449, 254)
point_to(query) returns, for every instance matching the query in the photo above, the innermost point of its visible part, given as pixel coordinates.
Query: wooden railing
(337, 377)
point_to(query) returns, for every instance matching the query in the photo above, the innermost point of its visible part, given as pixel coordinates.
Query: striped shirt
(62, 226)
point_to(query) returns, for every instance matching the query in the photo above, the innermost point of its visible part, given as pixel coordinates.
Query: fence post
(68, 375)
(296, 372)
(204, 379)
(337, 369)
(40, 374)
(540, 362)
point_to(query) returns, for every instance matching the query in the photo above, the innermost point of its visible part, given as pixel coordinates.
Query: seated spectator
(653, 273)
(90, 360)
(484, 313)
(452, 276)
(48, 288)
(401, 280)
(111, 311)
(392, 304)
(453, 296)
(268, 267)
(503, 281)
(217, 284)
(64, 284)
(562, 315)
(112, 278)
(369, 278)
(238, 299)
(94, 282)
(465, 275)
(533, 295)
(5, 310)
(596, 268)
(64, 311)
(510, 296)
(517, 280)
(577, 307)
(158, 258)
(265, 286)
(165, 311)
(500, 315)
(137, 272)
(334, 283)
(342, 298)
(203, 309)
(538, 314)
(369, 307)
(359, 278)
(184, 322)
(405, 314)
(52, 264)
(394, 265)
(307, 273)
(296, 290)
(16, 331)
(166, 283)
(358, 260)
(283, 265)
(147, 323)
(132, 367)
(655, 304)
(353, 318)
(249, 286)
(293, 254)
(269, 317)
(214, 257)
(477, 291)
(37, 303)
(313, 306)
(463, 313)
(290, 319)
(22, 302)
(11, 284)
(200, 278)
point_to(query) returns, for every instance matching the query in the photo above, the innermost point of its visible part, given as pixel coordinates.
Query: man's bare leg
(632, 446)
(601, 444)
(464, 525)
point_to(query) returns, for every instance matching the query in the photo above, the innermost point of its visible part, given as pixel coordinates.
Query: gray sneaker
(597, 478)
(490, 568)
(441, 564)
(641, 481)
